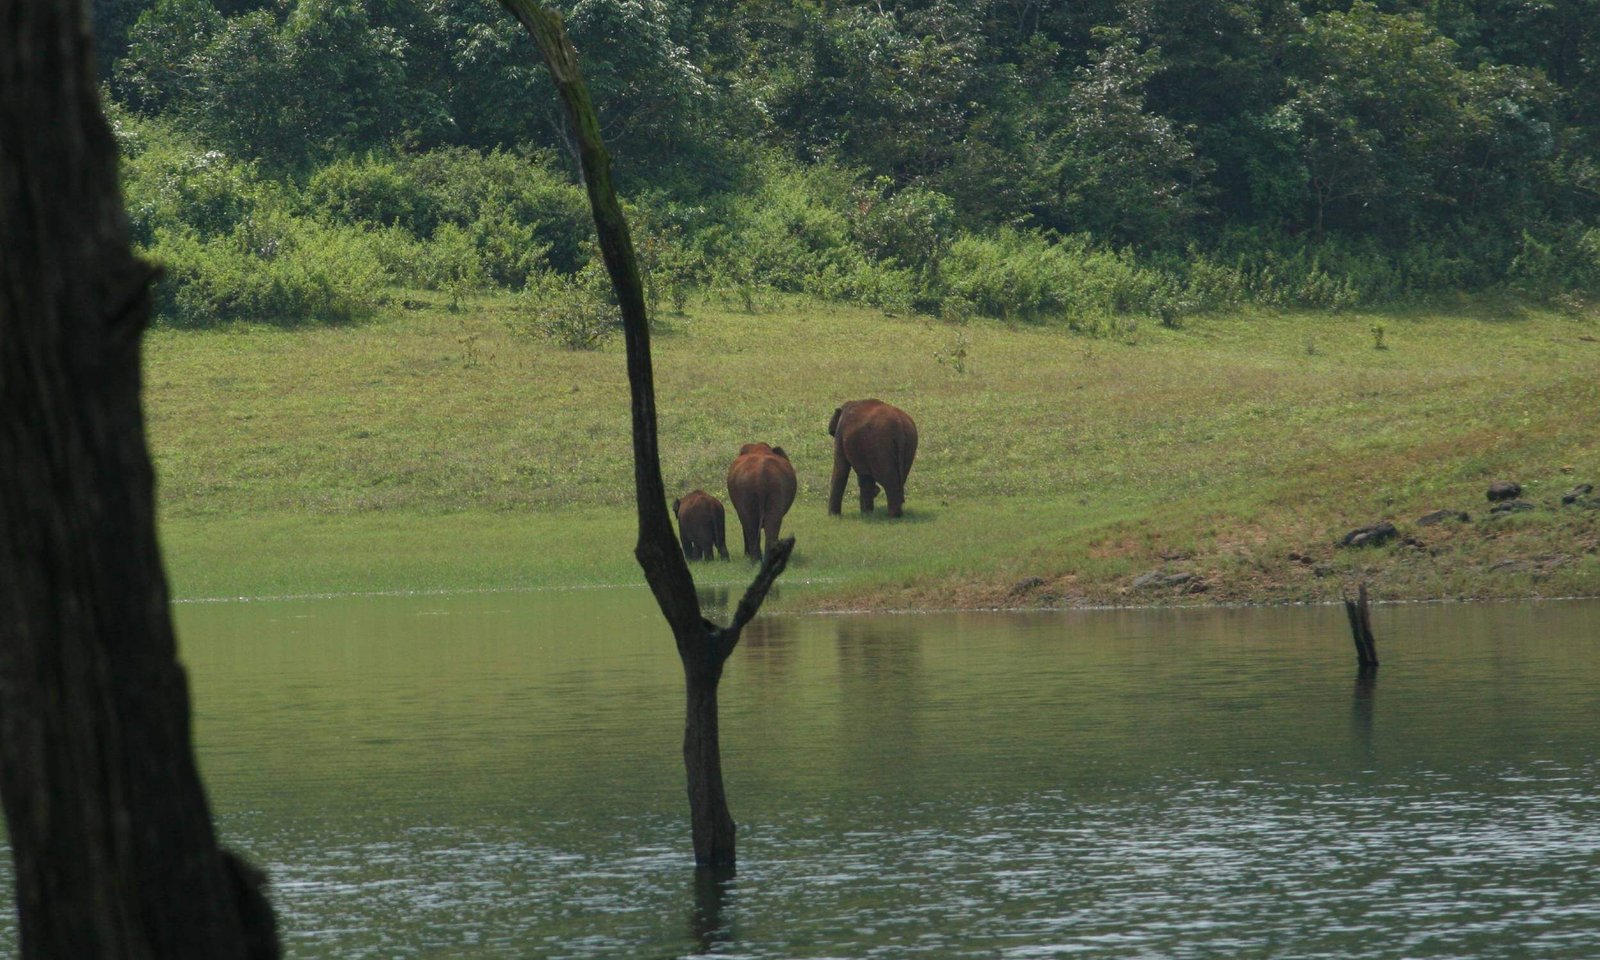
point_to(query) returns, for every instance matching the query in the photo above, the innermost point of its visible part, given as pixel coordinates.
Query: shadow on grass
(880, 515)
(1488, 308)
(668, 324)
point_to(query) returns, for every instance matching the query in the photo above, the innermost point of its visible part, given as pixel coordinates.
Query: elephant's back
(777, 472)
(700, 504)
(765, 474)
(880, 438)
(886, 418)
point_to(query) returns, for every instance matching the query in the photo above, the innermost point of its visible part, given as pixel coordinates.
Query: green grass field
(431, 450)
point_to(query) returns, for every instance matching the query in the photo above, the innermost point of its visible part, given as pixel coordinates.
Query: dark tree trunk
(702, 645)
(712, 827)
(110, 833)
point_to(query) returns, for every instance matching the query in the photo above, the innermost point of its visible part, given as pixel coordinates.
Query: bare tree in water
(111, 836)
(703, 646)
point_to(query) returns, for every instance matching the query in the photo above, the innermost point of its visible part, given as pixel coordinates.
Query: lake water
(500, 776)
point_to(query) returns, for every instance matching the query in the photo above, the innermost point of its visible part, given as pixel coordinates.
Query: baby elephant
(879, 442)
(701, 525)
(761, 484)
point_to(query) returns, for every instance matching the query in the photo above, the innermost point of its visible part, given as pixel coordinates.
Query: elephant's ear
(779, 452)
(833, 425)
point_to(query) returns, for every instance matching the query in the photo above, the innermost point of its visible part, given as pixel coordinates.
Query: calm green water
(499, 776)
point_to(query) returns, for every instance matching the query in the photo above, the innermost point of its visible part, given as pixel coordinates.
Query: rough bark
(702, 645)
(111, 836)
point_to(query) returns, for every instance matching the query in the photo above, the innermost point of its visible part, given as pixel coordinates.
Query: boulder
(1440, 516)
(1371, 536)
(1161, 578)
(1026, 584)
(1539, 566)
(1510, 506)
(1577, 493)
(1504, 490)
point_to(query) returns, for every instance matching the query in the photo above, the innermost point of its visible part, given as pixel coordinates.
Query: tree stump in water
(703, 647)
(1361, 629)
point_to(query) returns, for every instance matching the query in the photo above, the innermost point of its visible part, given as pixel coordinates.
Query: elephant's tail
(905, 451)
(766, 506)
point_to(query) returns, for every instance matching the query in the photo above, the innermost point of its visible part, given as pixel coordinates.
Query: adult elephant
(702, 525)
(761, 484)
(879, 442)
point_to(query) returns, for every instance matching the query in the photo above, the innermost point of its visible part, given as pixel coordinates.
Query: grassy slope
(431, 450)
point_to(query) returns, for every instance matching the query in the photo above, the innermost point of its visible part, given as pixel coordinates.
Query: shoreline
(867, 610)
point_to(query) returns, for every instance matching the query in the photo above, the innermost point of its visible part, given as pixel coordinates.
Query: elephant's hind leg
(895, 484)
(869, 490)
(770, 525)
(841, 476)
(895, 493)
(750, 522)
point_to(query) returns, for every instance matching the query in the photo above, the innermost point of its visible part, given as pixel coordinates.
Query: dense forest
(1076, 163)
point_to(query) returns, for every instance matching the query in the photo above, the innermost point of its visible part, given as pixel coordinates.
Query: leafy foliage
(1033, 161)
(578, 312)
(279, 269)
(1114, 168)
(1392, 132)
(1024, 276)
(322, 80)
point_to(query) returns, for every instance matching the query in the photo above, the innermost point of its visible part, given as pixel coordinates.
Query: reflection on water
(708, 926)
(499, 776)
(1362, 702)
(714, 601)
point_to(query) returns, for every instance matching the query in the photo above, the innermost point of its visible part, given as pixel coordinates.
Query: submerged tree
(703, 646)
(111, 838)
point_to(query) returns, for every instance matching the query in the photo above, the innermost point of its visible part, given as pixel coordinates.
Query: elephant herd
(876, 440)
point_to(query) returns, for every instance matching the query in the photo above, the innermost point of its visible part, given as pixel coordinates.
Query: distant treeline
(1073, 162)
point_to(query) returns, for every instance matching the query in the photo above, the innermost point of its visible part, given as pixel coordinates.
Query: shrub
(277, 269)
(450, 262)
(576, 311)
(911, 228)
(510, 251)
(1563, 264)
(522, 212)
(519, 214)
(668, 266)
(1023, 276)
(791, 231)
(170, 184)
(370, 191)
(874, 284)
(1209, 285)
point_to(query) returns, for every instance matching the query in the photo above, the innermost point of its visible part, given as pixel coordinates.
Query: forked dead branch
(702, 645)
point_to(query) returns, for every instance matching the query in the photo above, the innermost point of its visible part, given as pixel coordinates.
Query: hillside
(437, 450)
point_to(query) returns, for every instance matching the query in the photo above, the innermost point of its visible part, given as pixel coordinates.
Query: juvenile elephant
(702, 525)
(879, 442)
(761, 484)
